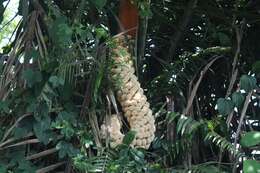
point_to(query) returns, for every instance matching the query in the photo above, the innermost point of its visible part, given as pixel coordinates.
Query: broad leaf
(129, 137)
(61, 32)
(138, 156)
(20, 132)
(26, 167)
(256, 67)
(32, 77)
(251, 166)
(66, 149)
(238, 99)
(99, 3)
(56, 81)
(248, 83)
(3, 168)
(101, 33)
(4, 107)
(209, 168)
(225, 106)
(65, 122)
(250, 139)
(42, 130)
(41, 111)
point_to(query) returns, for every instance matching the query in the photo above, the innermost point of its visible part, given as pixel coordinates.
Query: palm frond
(187, 125)
(222, 143)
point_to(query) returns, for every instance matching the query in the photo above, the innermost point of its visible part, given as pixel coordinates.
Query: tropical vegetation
(198, 64)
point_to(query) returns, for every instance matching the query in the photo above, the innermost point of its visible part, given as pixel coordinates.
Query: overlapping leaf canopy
(199, 67)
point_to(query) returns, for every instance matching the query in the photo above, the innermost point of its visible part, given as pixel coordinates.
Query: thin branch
(140, 41)
(15, 125)
(41, 154)
(12, 140)
(8, 23)
(195, 88)
(29, 141)
(232, 82)
(230, 87)
(113, 100)
(239, 36)
(95, 128)
(50, 168)
(243, 114)
(7, 5)
(15, 31)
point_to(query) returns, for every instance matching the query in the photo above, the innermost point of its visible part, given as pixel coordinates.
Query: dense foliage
(198, 62)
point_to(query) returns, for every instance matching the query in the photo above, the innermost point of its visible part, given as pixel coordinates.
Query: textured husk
(131, 97)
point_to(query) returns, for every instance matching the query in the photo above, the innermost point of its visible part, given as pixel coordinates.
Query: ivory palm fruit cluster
(131, 97)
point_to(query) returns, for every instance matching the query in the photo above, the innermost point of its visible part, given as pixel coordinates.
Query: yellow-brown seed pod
(131, 97)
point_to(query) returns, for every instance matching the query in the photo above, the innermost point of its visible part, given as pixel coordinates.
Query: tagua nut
(131, 97)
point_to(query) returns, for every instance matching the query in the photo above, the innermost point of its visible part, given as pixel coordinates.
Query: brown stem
(195, 88)
(242, 117)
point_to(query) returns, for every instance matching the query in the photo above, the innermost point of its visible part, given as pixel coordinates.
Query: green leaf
(66, 91)
(42, 130)
(98, 81)
(171, 116)
(60, 32)
(145, 10)
(3, 169)
(17, 156)
(20, 132)
(238, 99)
(256, 67)
(83, 32)
(248, 83)
(32, 77)
(66, 149)
(138, 156)
(99, 3)
(67, 116)
(251, 166)
(156, 168)
(129, 137)
(26, 167)
(65, 122)
(4, 106)
(101, 33)
(87, 143)
(225, 106)
(40, 110)
(250, 139)
(56, 81)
